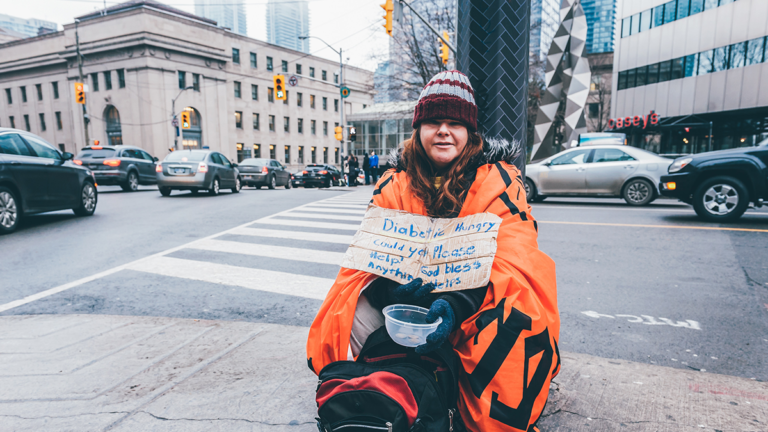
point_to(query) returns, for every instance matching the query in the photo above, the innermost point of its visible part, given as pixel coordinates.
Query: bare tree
(599, 91)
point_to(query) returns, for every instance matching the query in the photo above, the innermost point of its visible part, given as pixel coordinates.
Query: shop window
(755, 51)
(677, 68)
(720, 62)
(738, 55)
(642, 72)
(665, 70)
(690, 65)
(705, 62)
(631, 75)
(653, 74)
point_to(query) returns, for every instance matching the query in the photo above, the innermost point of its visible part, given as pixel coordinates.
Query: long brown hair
(447, 200)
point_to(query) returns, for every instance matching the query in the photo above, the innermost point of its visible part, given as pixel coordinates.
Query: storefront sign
(644, 121)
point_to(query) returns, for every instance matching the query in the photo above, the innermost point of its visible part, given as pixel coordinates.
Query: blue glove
(440, 308)
(413, 292)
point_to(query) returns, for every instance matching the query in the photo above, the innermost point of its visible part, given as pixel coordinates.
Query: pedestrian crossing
(310, 235)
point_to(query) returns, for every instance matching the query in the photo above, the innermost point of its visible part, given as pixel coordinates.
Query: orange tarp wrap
(508, 349)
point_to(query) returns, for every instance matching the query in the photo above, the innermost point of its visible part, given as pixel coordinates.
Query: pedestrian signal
(388, 7)
(338, 131)
(79, 93)
(185, 123)
(444, 49)
(352, 134)
(279, 81)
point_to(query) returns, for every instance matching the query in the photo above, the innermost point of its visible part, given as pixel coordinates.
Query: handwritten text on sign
(454, 254)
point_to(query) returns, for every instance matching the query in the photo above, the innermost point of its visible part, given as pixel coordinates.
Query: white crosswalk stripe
(310, 224)
(322, 216)
(329, 210)
(272, 251)
(294, 235)
(340, 206)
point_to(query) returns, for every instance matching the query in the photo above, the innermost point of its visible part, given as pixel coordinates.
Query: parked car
(196, 170)
(125, 166)
(720, 184)
(36, 177)
(297, 179)
(598, 171)
(321, 176)
(258, 172)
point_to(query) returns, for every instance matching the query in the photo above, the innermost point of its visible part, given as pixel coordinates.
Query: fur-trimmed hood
(494, 150)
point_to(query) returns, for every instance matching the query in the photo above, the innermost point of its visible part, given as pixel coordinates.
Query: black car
(720, 184)
(320, 176)
(125, 166)
(35, 177)
(260, 172)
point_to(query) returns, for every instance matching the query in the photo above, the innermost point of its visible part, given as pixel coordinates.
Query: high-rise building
(286, 21)
(545, 18)
(27, 27)
(227, 13)
(601, 15)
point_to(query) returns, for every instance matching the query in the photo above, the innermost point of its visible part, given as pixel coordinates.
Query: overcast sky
(353, 25)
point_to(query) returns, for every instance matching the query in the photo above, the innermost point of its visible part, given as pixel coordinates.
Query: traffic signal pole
(80, 70)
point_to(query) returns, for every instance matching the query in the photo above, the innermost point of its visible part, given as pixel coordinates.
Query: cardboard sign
(454, 254)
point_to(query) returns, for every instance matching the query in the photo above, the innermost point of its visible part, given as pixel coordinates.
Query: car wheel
(272, 182)
(288, 185)
(638, 192)
(238, 186)
(721, 199)
(88, 199)
(530, 190)
(9, 211)
(164, 191)
(258, 187)
(215, 187)
(132, 183)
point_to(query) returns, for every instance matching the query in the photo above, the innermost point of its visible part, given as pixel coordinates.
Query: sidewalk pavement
(123, 373)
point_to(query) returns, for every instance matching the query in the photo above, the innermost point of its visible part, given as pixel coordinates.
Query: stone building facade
(140, 55)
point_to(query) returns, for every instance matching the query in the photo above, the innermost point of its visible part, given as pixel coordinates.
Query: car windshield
(253, 161)
(763, 143)
(96, 154)
(186, 156)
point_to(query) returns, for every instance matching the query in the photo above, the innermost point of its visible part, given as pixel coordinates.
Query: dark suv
(320, 176)
(125, 166)
(35, 177)
(258, 172)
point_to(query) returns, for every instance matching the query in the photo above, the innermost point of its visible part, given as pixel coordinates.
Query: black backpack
(390, 388)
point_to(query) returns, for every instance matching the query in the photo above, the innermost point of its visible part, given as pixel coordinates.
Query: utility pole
(80, 70)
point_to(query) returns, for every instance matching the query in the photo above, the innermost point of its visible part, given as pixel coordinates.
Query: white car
(598, 171)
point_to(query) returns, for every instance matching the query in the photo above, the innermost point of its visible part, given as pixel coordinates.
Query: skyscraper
(545, 18)
(601, 15)
(227, 13)
(286, 21)
(27, 27)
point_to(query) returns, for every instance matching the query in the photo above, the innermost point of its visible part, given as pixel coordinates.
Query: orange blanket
(508, 349)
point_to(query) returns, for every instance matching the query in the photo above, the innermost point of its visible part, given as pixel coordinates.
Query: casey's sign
(644, 121)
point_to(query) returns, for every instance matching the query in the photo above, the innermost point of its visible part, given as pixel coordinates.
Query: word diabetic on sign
(454, 254)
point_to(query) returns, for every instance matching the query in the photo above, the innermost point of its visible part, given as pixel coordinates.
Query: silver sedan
(598, 171)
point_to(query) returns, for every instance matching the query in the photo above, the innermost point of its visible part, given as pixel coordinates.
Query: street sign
(293, 81)
(175, 122)
(345, 91)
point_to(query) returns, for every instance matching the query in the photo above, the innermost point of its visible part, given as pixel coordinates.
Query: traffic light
(444, 49)
(279, 81)
(79, 93)
(352, 134)
(338, 133)
(388, 7)
(185, 123)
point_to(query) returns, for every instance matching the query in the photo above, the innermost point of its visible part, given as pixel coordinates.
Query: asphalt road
(652, 285)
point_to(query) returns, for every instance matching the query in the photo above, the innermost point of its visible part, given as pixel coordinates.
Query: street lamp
(173, 116)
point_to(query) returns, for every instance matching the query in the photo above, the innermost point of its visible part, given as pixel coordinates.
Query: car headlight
(679, 164)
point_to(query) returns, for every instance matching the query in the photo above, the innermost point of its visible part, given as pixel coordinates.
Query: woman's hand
(413, 292)
(442, 309)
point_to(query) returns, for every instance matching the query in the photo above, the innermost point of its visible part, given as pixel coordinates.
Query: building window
(237, 90)
(9, 96)
(286, 124)
(239, 119)
(336, 78)
(311, 72)
(287, 154)
(257, 150)
(270, 95)
(301, 154)
(313, 127)
(272, 152)
(42, 122)
(325, 103)
(336, 105)
(325, 76)
(666, 14)
(26, 122)
(182, 80)
(196, 82)
(365, 106)
(240, 152)
(55, 88)
(255, 121)
(39, 88)
(59, 126)
(298, 99)
(312, 101)
(254, 64)
(121, 78)
(271, 123)
(755, 51)
(325, 128)
(13, 122)
(108, 80)
(285, 66)
(254, 92)
(325, 155)
(23, 94)
(235, 56)
(312, 154)
(269, 63)
(298, 69)
(300, 127)
(95, 83)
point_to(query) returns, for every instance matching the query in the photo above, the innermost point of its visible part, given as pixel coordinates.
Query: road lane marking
(271, 251)
(322, 216)
(308, 224)
(329, 210)
(256, 279)
(294, 235)
(647, 320)
(326, 204)
(602, 207)
(654, 226)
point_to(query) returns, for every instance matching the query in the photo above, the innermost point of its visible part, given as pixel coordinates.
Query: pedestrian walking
(367, 170)
(353, 166)
(505, 334)
(373, 161)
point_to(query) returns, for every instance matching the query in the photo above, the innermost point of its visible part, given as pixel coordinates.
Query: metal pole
(175, 128)
(80, 70)
(341, 110)
(430, 27)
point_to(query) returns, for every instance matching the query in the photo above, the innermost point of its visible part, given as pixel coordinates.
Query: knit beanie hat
(448, 95)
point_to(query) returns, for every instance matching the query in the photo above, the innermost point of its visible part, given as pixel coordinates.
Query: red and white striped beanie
(448, 95)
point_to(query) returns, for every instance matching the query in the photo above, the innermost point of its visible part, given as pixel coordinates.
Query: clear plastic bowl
(406, 324)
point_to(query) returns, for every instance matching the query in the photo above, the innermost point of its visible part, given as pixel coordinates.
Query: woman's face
(443, 140)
